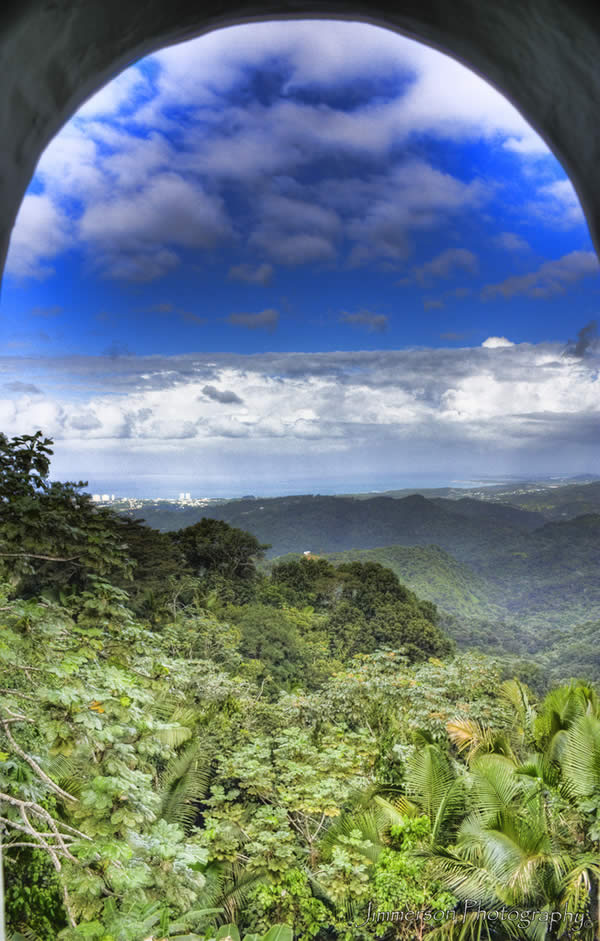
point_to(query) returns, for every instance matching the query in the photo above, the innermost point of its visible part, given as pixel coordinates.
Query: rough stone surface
(543, 55)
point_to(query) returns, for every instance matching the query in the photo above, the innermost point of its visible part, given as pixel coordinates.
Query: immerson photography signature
(520, 918)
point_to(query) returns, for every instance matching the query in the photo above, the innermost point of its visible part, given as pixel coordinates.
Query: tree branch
(34, 765)
(32, 555)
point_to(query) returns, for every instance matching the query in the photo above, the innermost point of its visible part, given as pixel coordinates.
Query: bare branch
(34, 765)
(31, 555)
(40, 812)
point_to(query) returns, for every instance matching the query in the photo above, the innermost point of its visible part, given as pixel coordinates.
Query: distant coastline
(154, 486)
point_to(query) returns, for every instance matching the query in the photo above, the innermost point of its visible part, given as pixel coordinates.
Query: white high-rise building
(182, 496)
(188, 496)
(105, 497)
(96, 497)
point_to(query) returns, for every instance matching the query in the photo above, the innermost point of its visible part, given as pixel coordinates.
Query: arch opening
(391, 322)
(542, 58)
(428, 214)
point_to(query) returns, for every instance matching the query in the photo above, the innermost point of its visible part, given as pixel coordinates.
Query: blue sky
(291, 216)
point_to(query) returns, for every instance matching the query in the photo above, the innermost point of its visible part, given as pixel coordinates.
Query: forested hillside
(554, 503)
(430, 572)
(543, 580)
(191, 748)
(335, 524)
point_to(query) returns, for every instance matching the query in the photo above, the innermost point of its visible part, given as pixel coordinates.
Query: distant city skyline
(302, 250)
(136, 489)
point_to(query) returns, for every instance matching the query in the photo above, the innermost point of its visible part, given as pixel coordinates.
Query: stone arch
(542, 55)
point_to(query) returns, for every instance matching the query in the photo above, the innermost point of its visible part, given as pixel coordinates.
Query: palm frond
(398, 809)
(516, 695)
(581, 755)
(430, 780)
(463, 877)
(185, 779)
(495, 786)
(371, 824)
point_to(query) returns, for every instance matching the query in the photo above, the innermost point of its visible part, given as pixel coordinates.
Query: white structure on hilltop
(96, 497)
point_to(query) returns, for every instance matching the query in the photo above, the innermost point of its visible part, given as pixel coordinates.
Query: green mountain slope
(335, 524)
(553, 502)
(432, 574)
(480, 561)
(513, 597)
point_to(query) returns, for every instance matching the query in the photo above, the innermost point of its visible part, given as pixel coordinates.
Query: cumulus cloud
(120, 94)
(374, 407)
(295, 231)
(265, 320)
(446, 263)
(443, 97)
(552, 277)
(139, 171)
(261, 274)
(557, 205)
(84, 421)
(511, 242)
(130, 232)
(225, 396)
(494, 343)
(414, 196)
(375, 323)
(42, 231)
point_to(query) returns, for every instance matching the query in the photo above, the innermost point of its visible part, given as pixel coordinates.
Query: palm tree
(529, 840)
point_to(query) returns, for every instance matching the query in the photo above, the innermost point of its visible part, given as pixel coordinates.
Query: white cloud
(511, 242)
(551, 278)
(494, 343)
(413, 197)
(130, 163)
(447, 263)
(293, 231)
(444, 97)
(557, 205)
(261, 274)
(42, 231)
(118, 95)
(70, 166)
(131, 232)
(369, 408)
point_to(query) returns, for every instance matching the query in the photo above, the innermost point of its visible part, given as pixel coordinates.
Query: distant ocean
(150, 486)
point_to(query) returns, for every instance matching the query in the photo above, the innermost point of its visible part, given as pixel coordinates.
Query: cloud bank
(501, 405)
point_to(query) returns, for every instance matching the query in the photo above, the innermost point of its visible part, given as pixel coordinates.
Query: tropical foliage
(203, 751)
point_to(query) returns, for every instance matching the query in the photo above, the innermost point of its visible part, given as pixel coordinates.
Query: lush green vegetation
(502, 576)
(191, 748)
